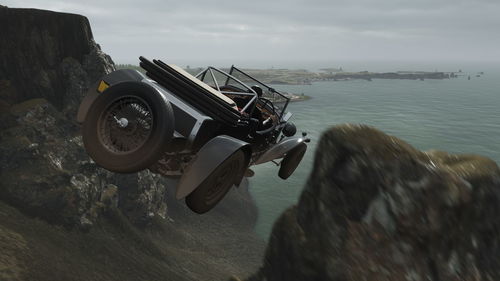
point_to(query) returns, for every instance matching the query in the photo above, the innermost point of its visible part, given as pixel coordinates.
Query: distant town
(305, 77)
(278, 76)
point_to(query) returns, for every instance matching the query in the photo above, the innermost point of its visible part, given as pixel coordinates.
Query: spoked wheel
(217, 184)
(128, 127)
(125, 125)
(291, 161)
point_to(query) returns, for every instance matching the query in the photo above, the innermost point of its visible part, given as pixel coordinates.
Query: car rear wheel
(291, 161)
(128, 127)
(217, 184)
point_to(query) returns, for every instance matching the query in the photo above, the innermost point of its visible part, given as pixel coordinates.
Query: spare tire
(128, 127)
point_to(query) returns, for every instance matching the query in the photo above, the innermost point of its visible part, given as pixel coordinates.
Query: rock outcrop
(133, 228)
(375, 208)
(48, 62)
(48, 55)
(46, 172)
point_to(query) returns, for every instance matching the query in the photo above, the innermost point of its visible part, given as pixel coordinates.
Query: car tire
(217, 184)
(291, 161)
(128, 127)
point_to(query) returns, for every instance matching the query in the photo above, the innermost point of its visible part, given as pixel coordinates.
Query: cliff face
(48, 62)
(115, 226)
(48, 55)
(46, 172)
(375, 208)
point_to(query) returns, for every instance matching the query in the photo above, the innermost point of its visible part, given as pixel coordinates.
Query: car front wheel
(217, 184)
(291, 161)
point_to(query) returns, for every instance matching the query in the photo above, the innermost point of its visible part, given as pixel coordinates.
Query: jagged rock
(46, 172)
(48, 55)
(142, 196)
(53, 58)
(375, 208)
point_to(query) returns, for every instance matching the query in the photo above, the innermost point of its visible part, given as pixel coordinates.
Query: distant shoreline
(305, 77)
(301, 77)
(297, 98)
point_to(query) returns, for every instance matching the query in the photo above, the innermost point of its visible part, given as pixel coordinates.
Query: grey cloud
(288, 30)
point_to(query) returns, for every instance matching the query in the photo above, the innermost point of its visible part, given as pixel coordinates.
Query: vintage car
(205, 130)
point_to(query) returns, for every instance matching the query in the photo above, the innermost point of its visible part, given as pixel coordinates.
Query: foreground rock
(375, 208)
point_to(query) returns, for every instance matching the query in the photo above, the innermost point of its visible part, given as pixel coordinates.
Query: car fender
(208, 158)
(110, 79)
(280, 149)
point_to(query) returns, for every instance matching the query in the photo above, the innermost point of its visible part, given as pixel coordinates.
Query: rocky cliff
(48, 61)
(375, 208)
(48, 55)
(64, 218)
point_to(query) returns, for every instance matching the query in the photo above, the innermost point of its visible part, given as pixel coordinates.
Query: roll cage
(235, 84)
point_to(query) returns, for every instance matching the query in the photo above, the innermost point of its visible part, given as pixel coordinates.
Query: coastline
(305, 77)
(293, 97)
(297, 98)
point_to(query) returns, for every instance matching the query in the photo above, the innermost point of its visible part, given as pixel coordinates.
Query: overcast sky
(277, 31)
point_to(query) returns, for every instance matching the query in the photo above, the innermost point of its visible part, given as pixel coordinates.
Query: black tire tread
(291, 161)
(196, 200)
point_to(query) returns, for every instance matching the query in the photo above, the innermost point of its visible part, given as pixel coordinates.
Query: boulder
(375, 208)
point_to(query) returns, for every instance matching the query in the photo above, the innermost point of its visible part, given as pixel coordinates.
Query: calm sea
(455, 115)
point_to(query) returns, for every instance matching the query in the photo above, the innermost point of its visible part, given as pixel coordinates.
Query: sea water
(454, 115)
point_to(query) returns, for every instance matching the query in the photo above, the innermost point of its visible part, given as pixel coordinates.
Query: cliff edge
(375, 208)
(49, 55)
(64, 218)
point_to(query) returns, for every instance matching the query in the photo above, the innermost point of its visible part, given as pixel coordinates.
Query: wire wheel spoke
(125, 125)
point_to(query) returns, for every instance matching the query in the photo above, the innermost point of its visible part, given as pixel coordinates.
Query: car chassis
(205, 130)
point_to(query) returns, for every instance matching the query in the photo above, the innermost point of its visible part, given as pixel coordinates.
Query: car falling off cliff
(205, 130)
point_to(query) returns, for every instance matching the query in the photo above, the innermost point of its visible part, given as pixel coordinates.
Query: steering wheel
(274, 124)
(268, 130)
(266, 101)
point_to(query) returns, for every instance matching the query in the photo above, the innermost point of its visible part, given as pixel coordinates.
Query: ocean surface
(455, 115)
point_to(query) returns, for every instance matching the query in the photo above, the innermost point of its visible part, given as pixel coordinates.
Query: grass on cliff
(31, 249)
(113, 250)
